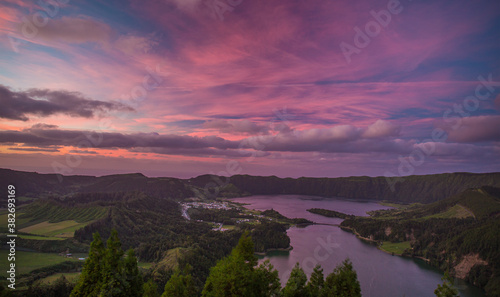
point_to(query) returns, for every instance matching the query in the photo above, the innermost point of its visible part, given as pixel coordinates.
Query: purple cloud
(44, 102)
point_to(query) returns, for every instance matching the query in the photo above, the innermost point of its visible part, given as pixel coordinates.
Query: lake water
(380, 274)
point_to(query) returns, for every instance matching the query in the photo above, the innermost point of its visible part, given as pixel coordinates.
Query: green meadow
(64, 229)
(72, 277)
(29, 261)
(395, 247)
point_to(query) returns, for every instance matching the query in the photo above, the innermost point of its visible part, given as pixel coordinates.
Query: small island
(330, 213)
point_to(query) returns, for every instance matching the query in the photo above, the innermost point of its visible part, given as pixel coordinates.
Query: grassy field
(228, 227)
(396, 248)
(36, 237)
(64, 229)
(145, 265)
(394, 205)
(28, 261)
(24, 198)
(456, 211)
(19, 220)
(72, 277)
(170, 261)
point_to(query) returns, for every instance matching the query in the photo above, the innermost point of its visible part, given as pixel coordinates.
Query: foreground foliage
(239, 275)
(107, 273)
(446, 289)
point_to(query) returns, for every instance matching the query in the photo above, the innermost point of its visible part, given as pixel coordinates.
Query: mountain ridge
(415, 188)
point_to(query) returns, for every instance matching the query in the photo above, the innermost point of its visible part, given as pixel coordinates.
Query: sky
(319, 88)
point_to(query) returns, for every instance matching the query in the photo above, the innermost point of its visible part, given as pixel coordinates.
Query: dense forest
(271, 213)
(224, 216)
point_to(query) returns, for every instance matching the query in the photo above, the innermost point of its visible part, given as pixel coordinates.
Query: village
(219, 206)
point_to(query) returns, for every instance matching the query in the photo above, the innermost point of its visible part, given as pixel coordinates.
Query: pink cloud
(475, 129)
(381, 128)
(237, 127)
(265, 56)
(75, 30)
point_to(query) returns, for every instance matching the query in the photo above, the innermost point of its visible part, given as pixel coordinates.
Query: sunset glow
(288, 88)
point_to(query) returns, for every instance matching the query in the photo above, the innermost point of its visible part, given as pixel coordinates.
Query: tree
(296, 284)
(268, 280)
(132, 275)
(113, 278)
(236, 275)
(180, 284)
(150, 289)
(245, 250)
(316, 281)
(107, 273)
(446, 289)
(61, 287)
(90, 280)
(342, 282)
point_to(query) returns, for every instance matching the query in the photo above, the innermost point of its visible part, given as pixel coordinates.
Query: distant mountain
(36, 185)
(410, 189)
(416, 188)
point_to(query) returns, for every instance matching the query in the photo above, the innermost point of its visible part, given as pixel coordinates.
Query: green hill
(459, 233)
(36, 185)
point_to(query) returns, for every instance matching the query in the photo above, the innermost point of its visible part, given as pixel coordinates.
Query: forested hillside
(459, 234)
(152, 226)
(35, 185)
(423, 189)
(410, 189)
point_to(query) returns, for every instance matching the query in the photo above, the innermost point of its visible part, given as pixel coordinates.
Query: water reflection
(379, 273)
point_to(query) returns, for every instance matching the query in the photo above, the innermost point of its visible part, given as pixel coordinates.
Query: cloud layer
(265, 79)
(43, 103)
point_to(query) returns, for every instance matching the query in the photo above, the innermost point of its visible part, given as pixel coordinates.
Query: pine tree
(245, 250)
(267, 280)
(132, 275)
(90, 281)
(150, 289)
(180, 284)
(342, 282)
(316, 281)
(236, 275)
(61, 287)
(113, 278)
(295, 286)
(107, 273)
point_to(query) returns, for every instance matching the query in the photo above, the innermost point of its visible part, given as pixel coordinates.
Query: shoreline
(353, 231)
(274, 250)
